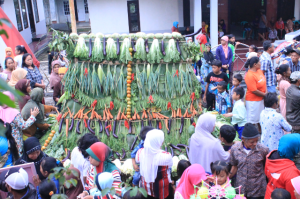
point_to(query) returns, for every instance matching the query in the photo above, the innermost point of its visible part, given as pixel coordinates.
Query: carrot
(137, 116)
(143, 114)
(154, 116)
(123, 117)
(104, 116)
(134, 115)
(186, 112)
(178, 113)
(70, 112)
(67, 127)
(166, 123)
(146, 115)
(57, 111)
(191, 107)
(110, 115)
(119, 114)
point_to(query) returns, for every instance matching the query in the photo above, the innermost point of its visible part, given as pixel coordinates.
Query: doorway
(186, 13)
(285, 9)
(31, 17)
(133, 16)
(76, 11)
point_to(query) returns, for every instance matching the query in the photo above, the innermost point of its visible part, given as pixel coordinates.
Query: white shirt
(18, 59)
(79, 162)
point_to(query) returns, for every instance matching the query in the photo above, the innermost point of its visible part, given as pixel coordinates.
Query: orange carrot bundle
(119, 114)
(186, 113)
(166, 123)
(104, 115)
(123, 117)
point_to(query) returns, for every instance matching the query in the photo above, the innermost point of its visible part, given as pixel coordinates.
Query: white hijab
(204, 147)
(152, 156)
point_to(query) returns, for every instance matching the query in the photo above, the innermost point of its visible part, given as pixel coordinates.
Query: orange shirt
(255, 81)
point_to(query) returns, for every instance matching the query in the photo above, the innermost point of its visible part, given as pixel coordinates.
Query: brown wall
(271, 9)
(223, 12)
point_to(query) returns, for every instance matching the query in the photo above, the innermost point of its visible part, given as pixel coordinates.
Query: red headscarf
(202, 41)
(193, 175)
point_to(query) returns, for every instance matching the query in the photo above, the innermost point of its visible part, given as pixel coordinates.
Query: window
(133, 16)
(24, 13)
(18, 15)
(36, 11)
(86, 7)
(66, 8)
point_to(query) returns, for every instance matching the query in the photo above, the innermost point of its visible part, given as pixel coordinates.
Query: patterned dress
(17, 125)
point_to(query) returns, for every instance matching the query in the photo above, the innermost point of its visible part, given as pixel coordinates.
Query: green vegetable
(111, 49)
(100, 74)
(140, 49)
(81, 50)
(154, 55)
(74, 36)
(97, 54)
(172, 54)
(95, 82)
(124, 51)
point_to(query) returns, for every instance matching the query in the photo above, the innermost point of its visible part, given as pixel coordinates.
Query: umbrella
(297, 45)
(280, 48)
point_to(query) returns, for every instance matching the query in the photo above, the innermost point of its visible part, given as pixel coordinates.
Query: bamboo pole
(72, 15)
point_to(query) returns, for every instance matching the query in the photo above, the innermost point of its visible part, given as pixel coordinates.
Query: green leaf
(143, 191)
(3, 32)
(105, 191)
(6, 87)
(112, 191)
(73, 181)
(6, 100)
(6, 22)
(67, 184)
(133, 192)
(75, 173)
(62, 180)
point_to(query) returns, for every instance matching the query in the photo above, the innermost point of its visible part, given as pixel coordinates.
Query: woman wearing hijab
(8, 53)
(99, 159)
(54, 77)
(14, 118)
(155, 166)
(8, 147)
(193, 175)
(58, 89)
(17, 75)
(9, 67)
(72, 192)
(24, 87)
(103, 181)
(36, 97)
(206, 60)
(175, 26)
(204, 147)
(201, 38)
(33, 153)
(280, 167)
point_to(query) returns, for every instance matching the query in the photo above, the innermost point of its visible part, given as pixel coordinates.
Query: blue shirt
(222, 102)
(221, 56)
(272, 126)
(294, 67)
(138, 147)
(268, 67)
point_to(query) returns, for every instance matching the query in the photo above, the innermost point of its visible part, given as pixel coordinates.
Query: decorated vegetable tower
(116, 84)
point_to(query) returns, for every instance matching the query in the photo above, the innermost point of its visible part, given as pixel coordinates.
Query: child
(236, 82)
(136, 176)
(223, 104)
(227, 135)
(47, 189)
(272, 33)
(239, 113)
(181, 167)
(220, 171)
(212, 79)
(259, 53)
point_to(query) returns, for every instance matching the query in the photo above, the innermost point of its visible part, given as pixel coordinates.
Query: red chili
(85, 71)
(150, 99)
(94, 103)
(126, 124)
(194, 124)
(192, 96)
(132, 77)
(108, 127)
(85, 124)
(169, 106)
(176, 73)
(111, 105)
(159, 125)
(73, 95)
(58, 117)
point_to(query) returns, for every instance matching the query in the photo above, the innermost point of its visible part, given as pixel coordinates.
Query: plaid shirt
(294, 67)
(222, 102)
(34, 75)
(268, 67)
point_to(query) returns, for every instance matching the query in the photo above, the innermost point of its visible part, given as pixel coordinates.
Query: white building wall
(155, 15)
(53, 10)
(80, 10)
(41, 25)
(192, 12)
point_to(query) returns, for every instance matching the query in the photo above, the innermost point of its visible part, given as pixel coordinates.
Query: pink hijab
(8, 114)
(193, 175)
(225, 47)
(54, 77)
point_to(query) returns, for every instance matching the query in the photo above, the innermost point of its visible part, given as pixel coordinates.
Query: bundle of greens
(97, 54)
(172, 54)
(140, 49)
(125, 53)
(111, 49)
(154, 55)
(193, 51)
(81, 50)
(101, 74)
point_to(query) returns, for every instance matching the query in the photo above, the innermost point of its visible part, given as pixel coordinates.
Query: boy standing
(223, 104)
(239, 113)
(227, 135)
(137, 175)
(236, 81)
(212, 80)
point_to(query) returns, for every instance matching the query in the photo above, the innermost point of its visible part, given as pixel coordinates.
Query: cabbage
(74, 36)
(154, 55)
(182, 157)
(168, 35)
(81, 50)
(100, 35)
(111, 49)
(175, 163)
(140, 49)
(127, 167)
(115, 35)
(132, 35)
(67, 163)
(124, 51)
(92, 36)
(176, 35)
(123, 36)
(140, 35)
(159, 36)
(83, 35)
(118, 164)
(172, 54)
(97, 54)
(150, 36)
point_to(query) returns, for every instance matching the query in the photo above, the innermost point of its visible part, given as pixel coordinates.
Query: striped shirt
(294, 67)
(268, 67)
(159, 188)
(90, 182)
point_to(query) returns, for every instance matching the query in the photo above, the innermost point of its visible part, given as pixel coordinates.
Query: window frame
(24, 14)
(19, 19)
(36, 11)
(86, 7)
(64, 4)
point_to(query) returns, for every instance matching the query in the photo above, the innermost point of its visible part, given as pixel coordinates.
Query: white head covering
(18, 180)
(252, 54)
(204, 147)
(152, 156)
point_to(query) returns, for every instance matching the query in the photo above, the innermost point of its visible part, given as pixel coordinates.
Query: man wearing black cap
(248, 159)
(295, 62)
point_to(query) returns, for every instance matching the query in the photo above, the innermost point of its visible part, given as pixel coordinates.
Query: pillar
(214, 22)
(297, 10)
(72, 15)
(197, 16)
